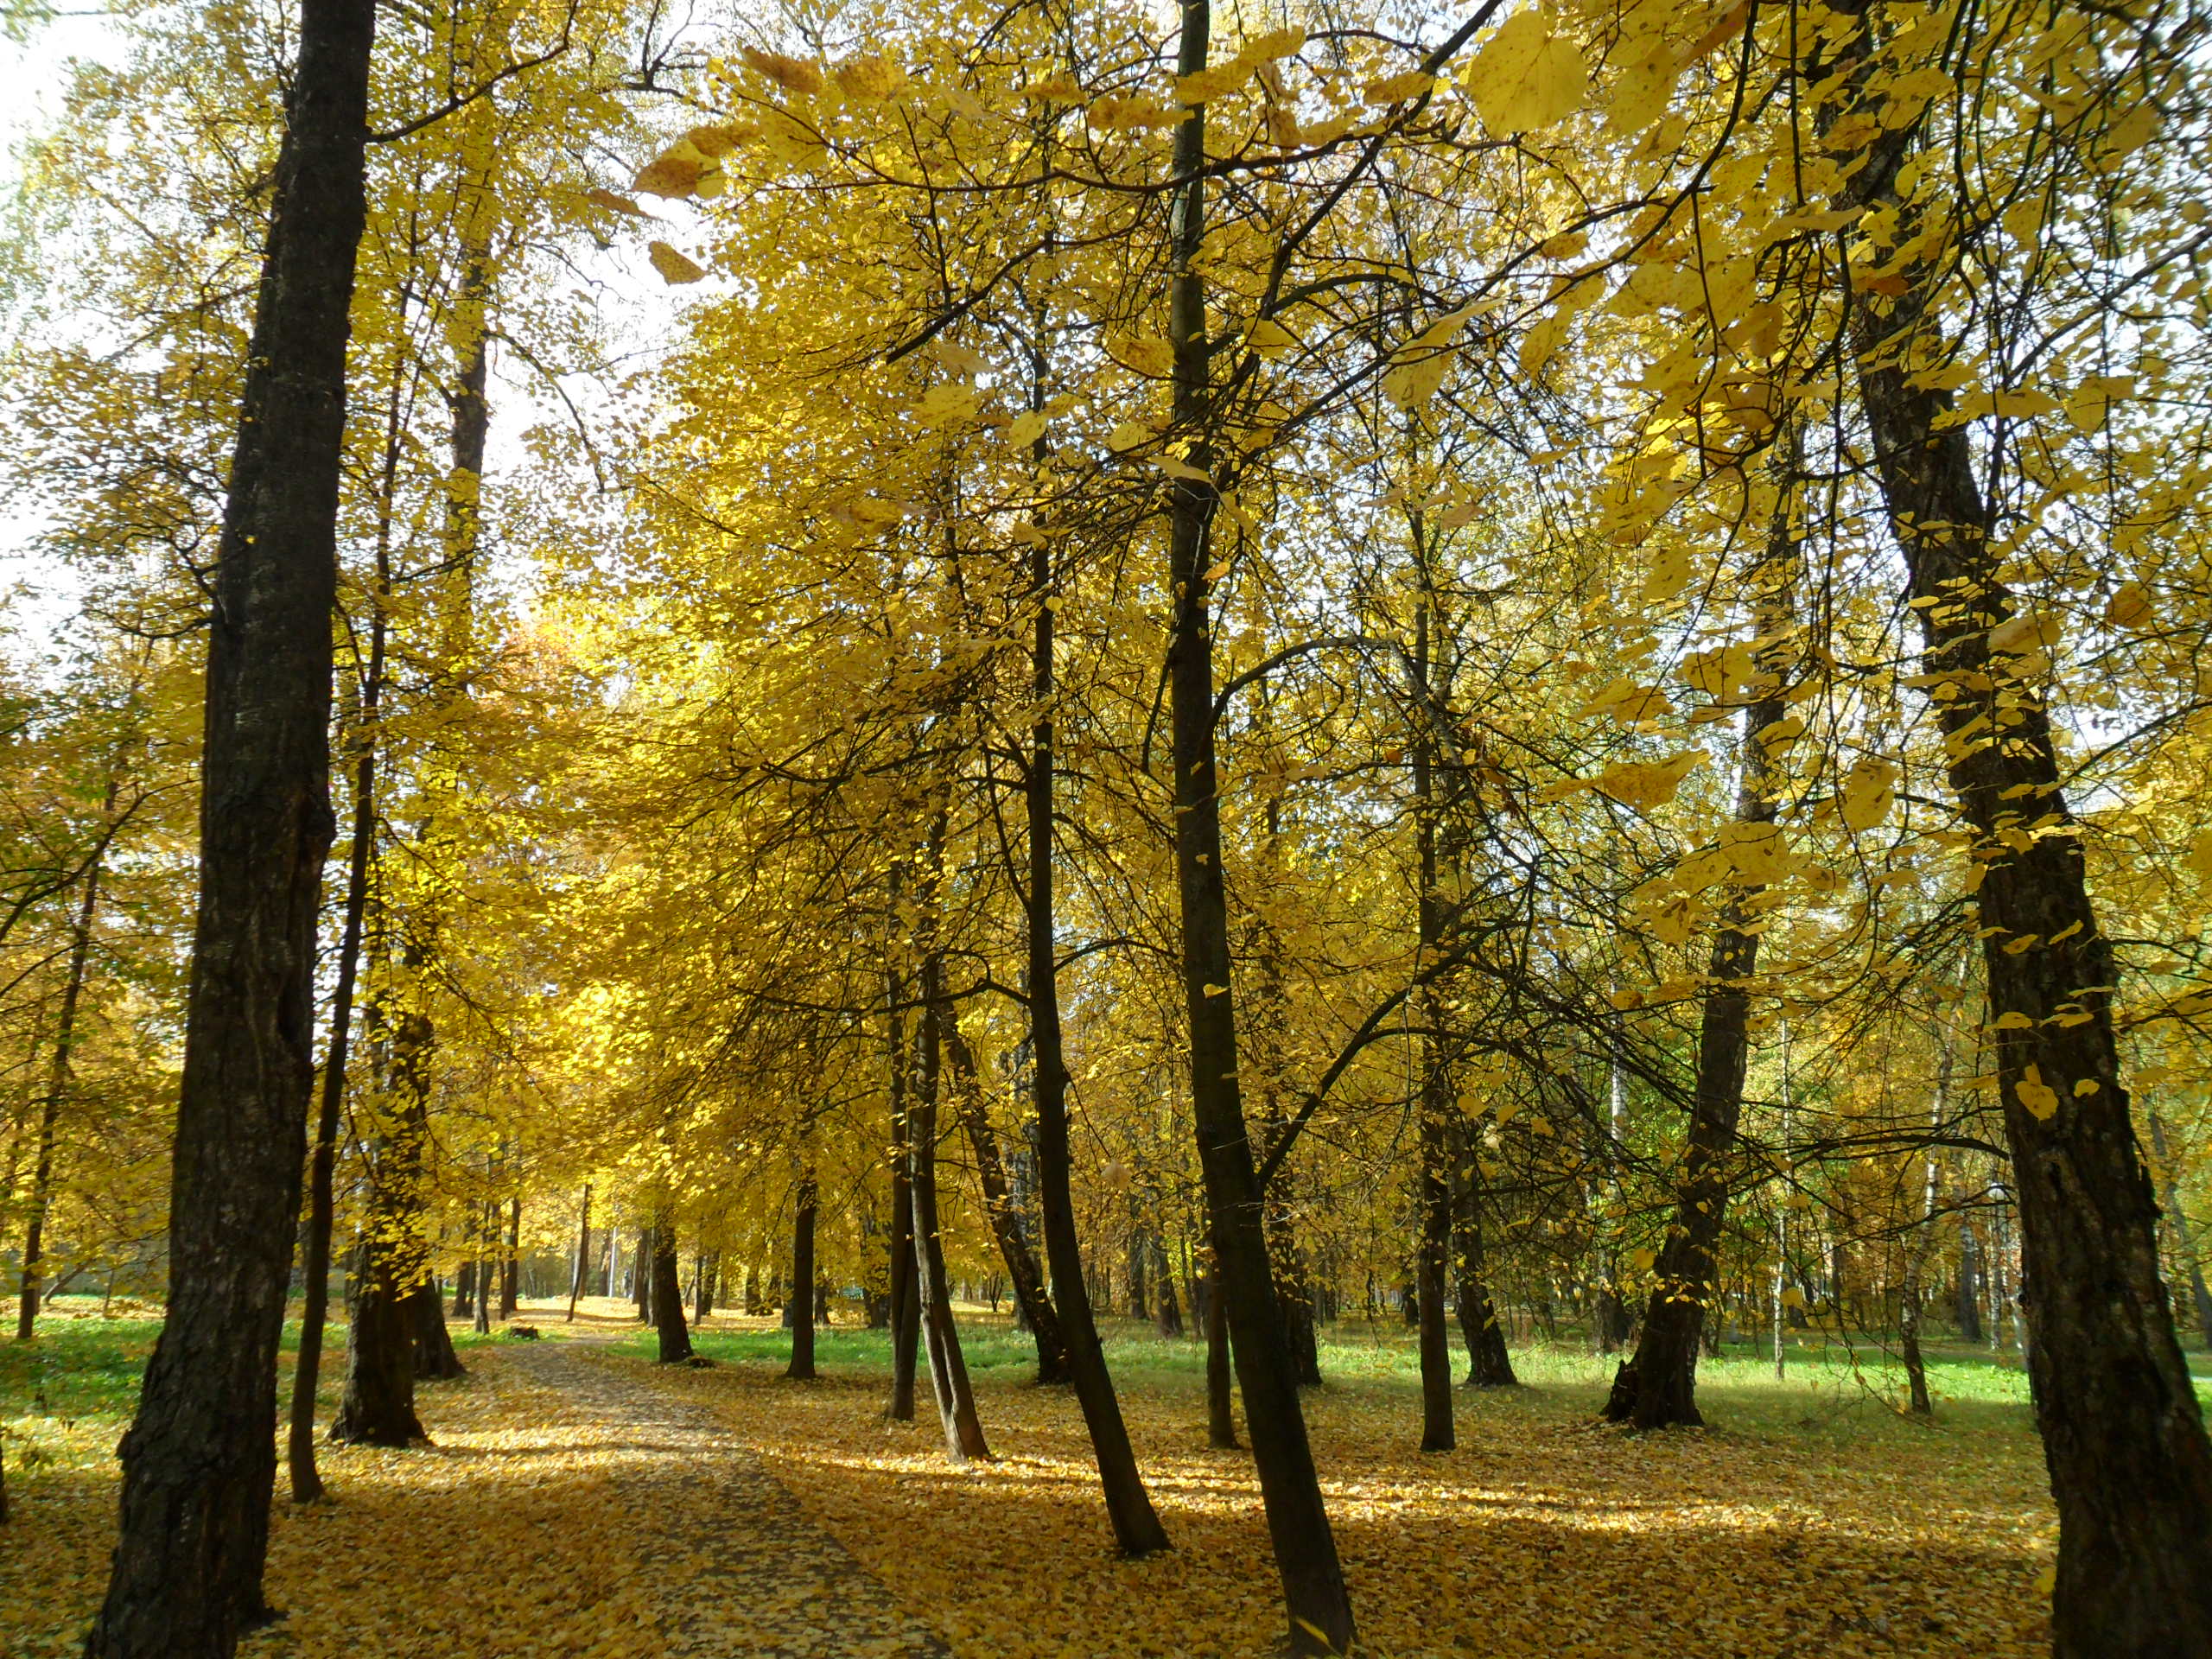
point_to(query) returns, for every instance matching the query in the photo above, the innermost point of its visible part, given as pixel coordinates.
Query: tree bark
(801, 1368)
(1221, 1408)
(1656, 1388)
(906, 1303)
(510, 1265)
(1489, 1364)
(57, 1088)
(1436, 1107)
(436, 1360)
(956, 1400)
(1021, 1266)
(2123, 1435)
(1318, 1608)
(675, 1340)
(708, 1265)
(584, 1256)
(199, 1462)
(641, 1275)
(2170, 1198)
(1137, 1530)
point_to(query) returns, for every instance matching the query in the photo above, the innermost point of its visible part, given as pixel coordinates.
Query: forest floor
(581, 1501)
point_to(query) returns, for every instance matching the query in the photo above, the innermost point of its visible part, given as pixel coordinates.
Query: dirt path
(740, 1568)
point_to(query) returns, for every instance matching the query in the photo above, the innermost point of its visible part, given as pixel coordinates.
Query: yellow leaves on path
(1526, 76)
(1541, 1538)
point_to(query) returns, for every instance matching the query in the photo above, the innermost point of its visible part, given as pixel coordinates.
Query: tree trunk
(801, 1368)
(2169, 1198)
(642, 1274)
(906, 1302)
(2123, 1435)
(668, 1293)
(956, 1400)
(199, 1463)
(487, 1251)
(1021, 1267)
(1489, 1364)
(1318, 1609)
(436, 1361)
(307, 1374)
(1137, 1530)
(1433, 1249)
(1221, 1398)
(709, 1267)
(1969, 1287)
(511, 1267)
(584, 1256)
(1167, 1313)
(1657, 1385)
(57, 1087)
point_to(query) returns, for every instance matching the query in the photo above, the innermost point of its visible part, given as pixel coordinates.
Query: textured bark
(1656, 1388)
(2123, 1435)
(801, 1368)
(199, 1462)
(1021, 1268)
(1436, 1107)
(436, 1360)
(57, 1089)
(675, 1339)
(1318, 1608)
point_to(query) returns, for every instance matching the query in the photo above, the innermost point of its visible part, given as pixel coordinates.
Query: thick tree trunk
(1028, 1282)
(1320, 1609)
(801, 1368)
(2123, 1435)
(1656, 1388)
(1136, 1527)
(436, 1360)
(1436, 1107)
(675, 1341)
(955, 1400)
(378, 1406)
(1969, 1286)
(199, 1463)
(57, 1087)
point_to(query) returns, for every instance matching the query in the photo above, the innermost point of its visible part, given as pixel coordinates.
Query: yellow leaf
(1525, 76)
(1869, 792)
(2037, 1098)
(1647, 784)
(671, 175)
(674, 268)
(1130, 435)
(870, 80)
(1026, 429)
(600, 197)
(792, 75)
(2130, 607)
(2011, 1020)
(1397, 89)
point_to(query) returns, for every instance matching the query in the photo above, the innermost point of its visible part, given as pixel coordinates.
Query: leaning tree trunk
(584, 1256)
(905, 1301)
(1489, 1364)
(668, 1294)
(801, 1369)
(2123, 1435)
(1657, 1385)
(955, 1400)
(1006, 1220)
(1318, 1608)
(1136, 1527)
(57, 1086)
(199, 1462)
(307, 1371)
